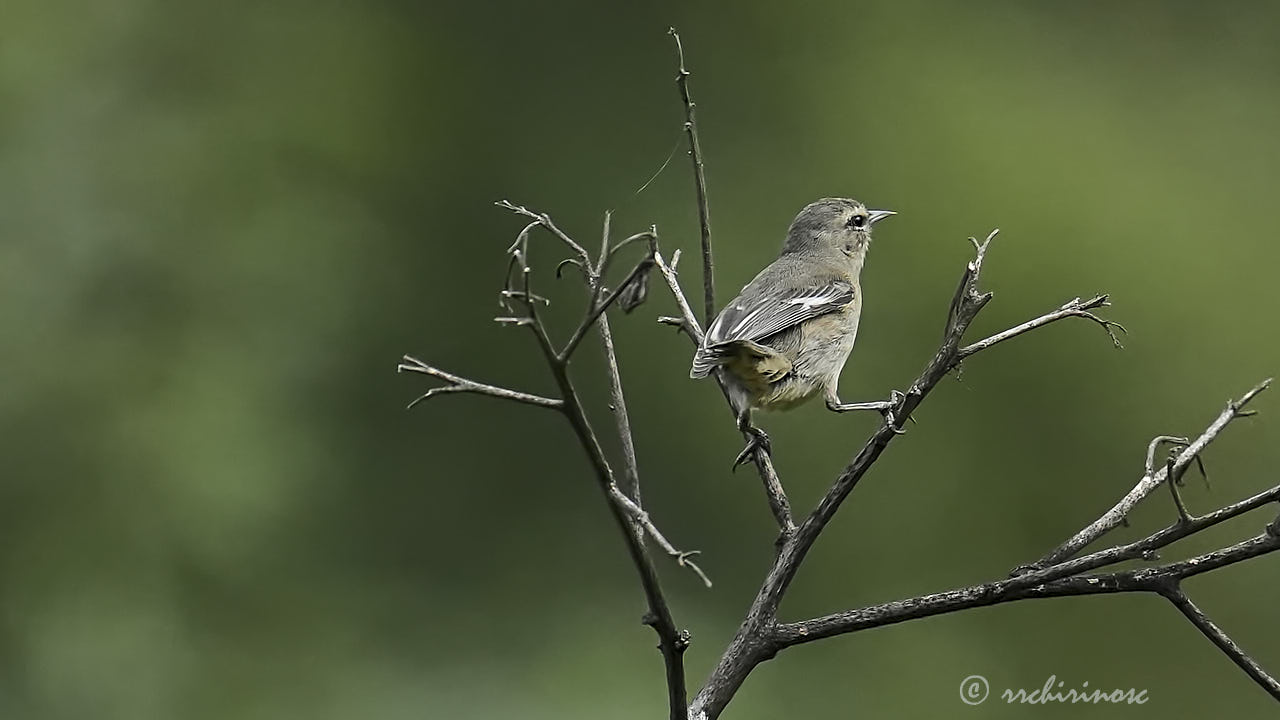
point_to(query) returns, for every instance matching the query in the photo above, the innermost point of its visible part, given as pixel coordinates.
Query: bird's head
(833, 225)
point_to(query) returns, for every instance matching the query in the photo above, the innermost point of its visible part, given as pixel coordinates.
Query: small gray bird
(786, 337)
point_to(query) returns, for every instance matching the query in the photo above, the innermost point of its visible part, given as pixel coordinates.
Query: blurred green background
(222, 224)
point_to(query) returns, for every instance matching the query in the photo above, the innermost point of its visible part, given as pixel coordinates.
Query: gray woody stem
(672, 641)
(624, 501)
(700, 184)
(752, 644)
(1215, 634)
(617, 401)
(1150, 481)
(1152, 579)
(459, 384)
(773, 491)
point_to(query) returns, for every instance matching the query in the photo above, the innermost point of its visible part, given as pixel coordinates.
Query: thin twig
(1149, 482)
(671, 641)
(687, 321)
(630, 484)
(776, 496)
(1171, 479)
(1073, 308)
(631, 519)
(1219, 638)
(545, 221)
(700, 185)
(599, 306)
(1154, 446)
(876, 615)
(459, 384)
(642, 519)
(1149, 579)
(748, 649)
(629, 494)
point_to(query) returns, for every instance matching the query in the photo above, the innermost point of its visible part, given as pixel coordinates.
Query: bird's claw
(759, 442)
(896, 397)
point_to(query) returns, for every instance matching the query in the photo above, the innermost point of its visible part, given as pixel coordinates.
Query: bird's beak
(875, 216)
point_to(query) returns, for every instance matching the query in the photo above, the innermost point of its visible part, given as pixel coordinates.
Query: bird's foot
(895, 400)
(884, 407)
(759, 443)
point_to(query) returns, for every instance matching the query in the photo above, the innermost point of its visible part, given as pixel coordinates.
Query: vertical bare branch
(518, 297)
(630, 485)
(700, 185)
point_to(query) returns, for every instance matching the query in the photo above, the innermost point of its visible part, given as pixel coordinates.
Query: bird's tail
(745, 358)
(706, 360)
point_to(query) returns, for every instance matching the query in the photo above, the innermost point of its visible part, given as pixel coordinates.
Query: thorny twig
(1150, 480)
(459, 384)
(699, 183)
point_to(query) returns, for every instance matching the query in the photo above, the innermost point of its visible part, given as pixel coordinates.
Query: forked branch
(1151, 480)
(518, 297)
(754, 642)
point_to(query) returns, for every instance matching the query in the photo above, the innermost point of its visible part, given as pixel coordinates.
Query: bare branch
(596, 311)
(646, 524)
(1224, 643)
(1152, 579)
(629, 496)
(1065, 579)
(459, 384)
(524, 295)
(1172, 481)
(650, 234)
(671, 641)
(700, 185)
(1149, 482)
(545, 221)
(776, 496)
(633, 522)
(750, 646)
(603, 257)
(1146, 548)
(617, 400)
(1155, 444)
(1013, 589)
(687, 320)
(1073, 308)
(569, 261)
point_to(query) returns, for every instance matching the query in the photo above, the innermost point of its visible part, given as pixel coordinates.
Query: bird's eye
(858, 221)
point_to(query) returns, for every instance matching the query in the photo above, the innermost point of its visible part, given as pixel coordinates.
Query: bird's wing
(755, 317)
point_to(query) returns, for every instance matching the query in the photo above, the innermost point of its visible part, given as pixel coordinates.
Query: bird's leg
(758, 442)
(884, 407)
